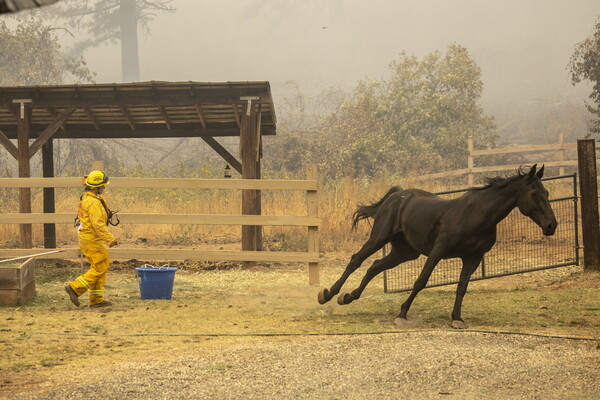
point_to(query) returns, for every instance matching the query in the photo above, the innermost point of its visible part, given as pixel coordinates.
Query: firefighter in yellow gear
(94, 241)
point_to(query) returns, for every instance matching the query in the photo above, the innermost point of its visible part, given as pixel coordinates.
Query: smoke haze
(522, 47)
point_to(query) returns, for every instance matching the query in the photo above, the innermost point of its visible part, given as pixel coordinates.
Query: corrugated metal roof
(141, 109)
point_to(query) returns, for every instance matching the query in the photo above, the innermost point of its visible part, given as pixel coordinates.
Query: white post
(98, 166)
(471, 181)
(561, 153)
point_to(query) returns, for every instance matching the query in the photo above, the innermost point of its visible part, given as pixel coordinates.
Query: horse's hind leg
(381, 233)
(401, 252)
(370, 247)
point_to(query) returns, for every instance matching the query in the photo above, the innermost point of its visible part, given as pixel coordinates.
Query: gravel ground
(411, 365)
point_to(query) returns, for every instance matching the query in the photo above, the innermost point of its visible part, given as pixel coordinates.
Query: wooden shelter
(35, 115)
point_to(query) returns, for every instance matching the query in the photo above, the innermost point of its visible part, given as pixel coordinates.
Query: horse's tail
(364, 211)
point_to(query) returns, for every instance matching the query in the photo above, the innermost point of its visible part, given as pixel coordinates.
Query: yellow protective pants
(92, 281)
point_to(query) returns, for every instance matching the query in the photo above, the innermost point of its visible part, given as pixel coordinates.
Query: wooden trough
(17, 282)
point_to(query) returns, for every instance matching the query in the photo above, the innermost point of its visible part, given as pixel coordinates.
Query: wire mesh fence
(520, 245)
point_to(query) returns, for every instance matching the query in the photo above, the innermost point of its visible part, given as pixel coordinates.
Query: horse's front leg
(469, 266)
(434, 258)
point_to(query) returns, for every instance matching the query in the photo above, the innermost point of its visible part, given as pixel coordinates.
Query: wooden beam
(258, 134)
(162, 219)
(165, 116)
(49, 199)
(491, 168)
(50, 130)
(128, 117)
(123, 131)
(201, 116)
(178, 254)
(99, 98)
(251, 199)
(53, 113)
(25, 230)
(237, 114)
(9, 146)
(525, 149)
(590, 220)
(88, 111)
(165, 183)
(11, 110)
(312, 206)
(222, 151)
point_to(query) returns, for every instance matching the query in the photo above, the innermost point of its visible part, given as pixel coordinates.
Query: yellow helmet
(96, 179)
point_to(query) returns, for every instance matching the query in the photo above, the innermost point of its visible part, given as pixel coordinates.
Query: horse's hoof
(342, 299)
(402, 322)
(457, 324)
(321, 296)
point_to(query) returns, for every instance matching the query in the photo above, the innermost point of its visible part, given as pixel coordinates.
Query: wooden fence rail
(471, 169)
(166, 183)
(311, 220)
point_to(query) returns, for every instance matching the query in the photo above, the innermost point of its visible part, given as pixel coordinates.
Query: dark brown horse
(418, 222)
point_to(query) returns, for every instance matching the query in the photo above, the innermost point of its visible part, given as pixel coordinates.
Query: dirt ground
(357, 354)
(415, 365)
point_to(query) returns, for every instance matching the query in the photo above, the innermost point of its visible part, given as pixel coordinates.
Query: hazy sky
(522, 46)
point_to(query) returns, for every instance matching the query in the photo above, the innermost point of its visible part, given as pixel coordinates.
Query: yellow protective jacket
(93, 233)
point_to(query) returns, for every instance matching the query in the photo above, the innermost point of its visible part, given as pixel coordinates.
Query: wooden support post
(222, 151)
(251, 199)
(48, 172)
(588, 183)
(58, 122)
(471, 177)
(23, 126)
(9, 146)
(312, 205)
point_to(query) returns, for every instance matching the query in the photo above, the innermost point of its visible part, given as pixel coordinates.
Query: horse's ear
(540, 173)
(532, 171)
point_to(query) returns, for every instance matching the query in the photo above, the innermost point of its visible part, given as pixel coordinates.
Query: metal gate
(520, 245)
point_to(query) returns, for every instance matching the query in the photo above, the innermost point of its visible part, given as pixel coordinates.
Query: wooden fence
(560, 148)
(310, 220)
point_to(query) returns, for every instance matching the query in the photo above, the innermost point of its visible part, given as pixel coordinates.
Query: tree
(300, 126)
(585, 65)
(416, 121)
(113, 21)
(30, 54)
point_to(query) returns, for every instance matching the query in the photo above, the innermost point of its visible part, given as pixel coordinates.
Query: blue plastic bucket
(156, 282)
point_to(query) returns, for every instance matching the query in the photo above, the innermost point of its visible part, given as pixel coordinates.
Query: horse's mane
(499, 181)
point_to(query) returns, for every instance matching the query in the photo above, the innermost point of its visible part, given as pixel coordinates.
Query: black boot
(72, 295)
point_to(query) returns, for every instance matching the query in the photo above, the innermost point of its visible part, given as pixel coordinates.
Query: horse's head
(533, 201)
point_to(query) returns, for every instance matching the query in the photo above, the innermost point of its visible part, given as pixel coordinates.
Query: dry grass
(337, 202)
(50, 332)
